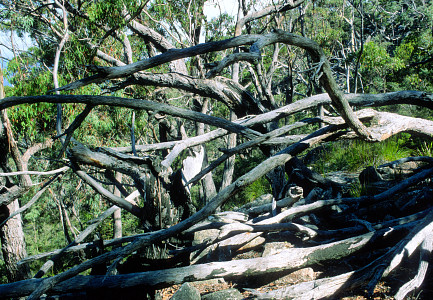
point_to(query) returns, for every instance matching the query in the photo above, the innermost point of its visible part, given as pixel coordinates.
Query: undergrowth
(426, 149)
(355, 155)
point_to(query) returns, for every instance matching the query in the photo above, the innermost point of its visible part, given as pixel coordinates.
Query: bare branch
(132, 208)
(32, 201)
(50, 263)
(229, 92)
(74, 126)
(136, 104)
(56, 171)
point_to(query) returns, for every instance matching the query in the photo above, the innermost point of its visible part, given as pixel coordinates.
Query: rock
(211, 282)
(302, 275)
(342, 177)
(275, 247)
(210, 285)
(202, 235)
(186, 291)
(229, 294)
(399, 171)
(252, 244)
(369, 175)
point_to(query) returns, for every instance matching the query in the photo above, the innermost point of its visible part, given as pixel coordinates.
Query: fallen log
(290, 259)
(371, 273)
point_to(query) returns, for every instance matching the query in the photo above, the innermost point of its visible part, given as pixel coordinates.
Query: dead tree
(323, 223)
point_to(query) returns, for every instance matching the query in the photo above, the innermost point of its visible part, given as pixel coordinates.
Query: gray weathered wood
(290, 259)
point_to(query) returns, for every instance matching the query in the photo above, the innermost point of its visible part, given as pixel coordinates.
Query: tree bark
(11, 234)
(290, 259)
(13, 243)
(117, 216)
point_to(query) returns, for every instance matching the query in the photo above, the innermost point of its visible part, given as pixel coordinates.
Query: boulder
(232, 294)
(275, 247)
(186, 291)
(369, 175)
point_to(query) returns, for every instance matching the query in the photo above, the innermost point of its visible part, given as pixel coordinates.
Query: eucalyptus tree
(150, 90)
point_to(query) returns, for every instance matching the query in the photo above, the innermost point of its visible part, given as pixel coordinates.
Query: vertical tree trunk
(11, 234)
(208, 185)
(229, 164)
(13, 243)
(117, 225)
(117, 216)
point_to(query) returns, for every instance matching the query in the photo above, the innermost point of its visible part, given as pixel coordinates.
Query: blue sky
(5, 46)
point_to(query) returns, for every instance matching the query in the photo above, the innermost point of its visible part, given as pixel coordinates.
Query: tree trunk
(208, 184)
(229, 165)
(13, 244)
(117, 216)
(286, 260)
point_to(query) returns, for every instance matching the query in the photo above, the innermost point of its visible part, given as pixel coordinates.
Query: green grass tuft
(356, 155)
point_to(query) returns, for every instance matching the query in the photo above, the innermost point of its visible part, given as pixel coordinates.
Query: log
(233, 243)
(371, 273)
(295, 193)
(290, 259)
(414, 283)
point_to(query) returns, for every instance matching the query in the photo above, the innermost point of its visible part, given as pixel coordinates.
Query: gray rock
(186, 291)
(369, 175)
(275, 247)
(203, 235)
(302, 275)
(229, 294)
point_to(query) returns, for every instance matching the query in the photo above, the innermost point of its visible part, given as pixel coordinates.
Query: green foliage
(110, 11)
(415, 75)
(19, 22)
(219, 28)
(327, 25)
(28, 75)
(402, 62)
(252, 191)
(376, 58)
(177, 9)
(73, 59)
(104, 124)
(356, 189)
(357, 155)
(425, 149)
(377, 66)
(3, 278)
(249, 193)
(33, 121)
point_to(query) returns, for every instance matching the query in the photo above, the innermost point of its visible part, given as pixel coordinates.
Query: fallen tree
(319, 220)
(231, 233)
